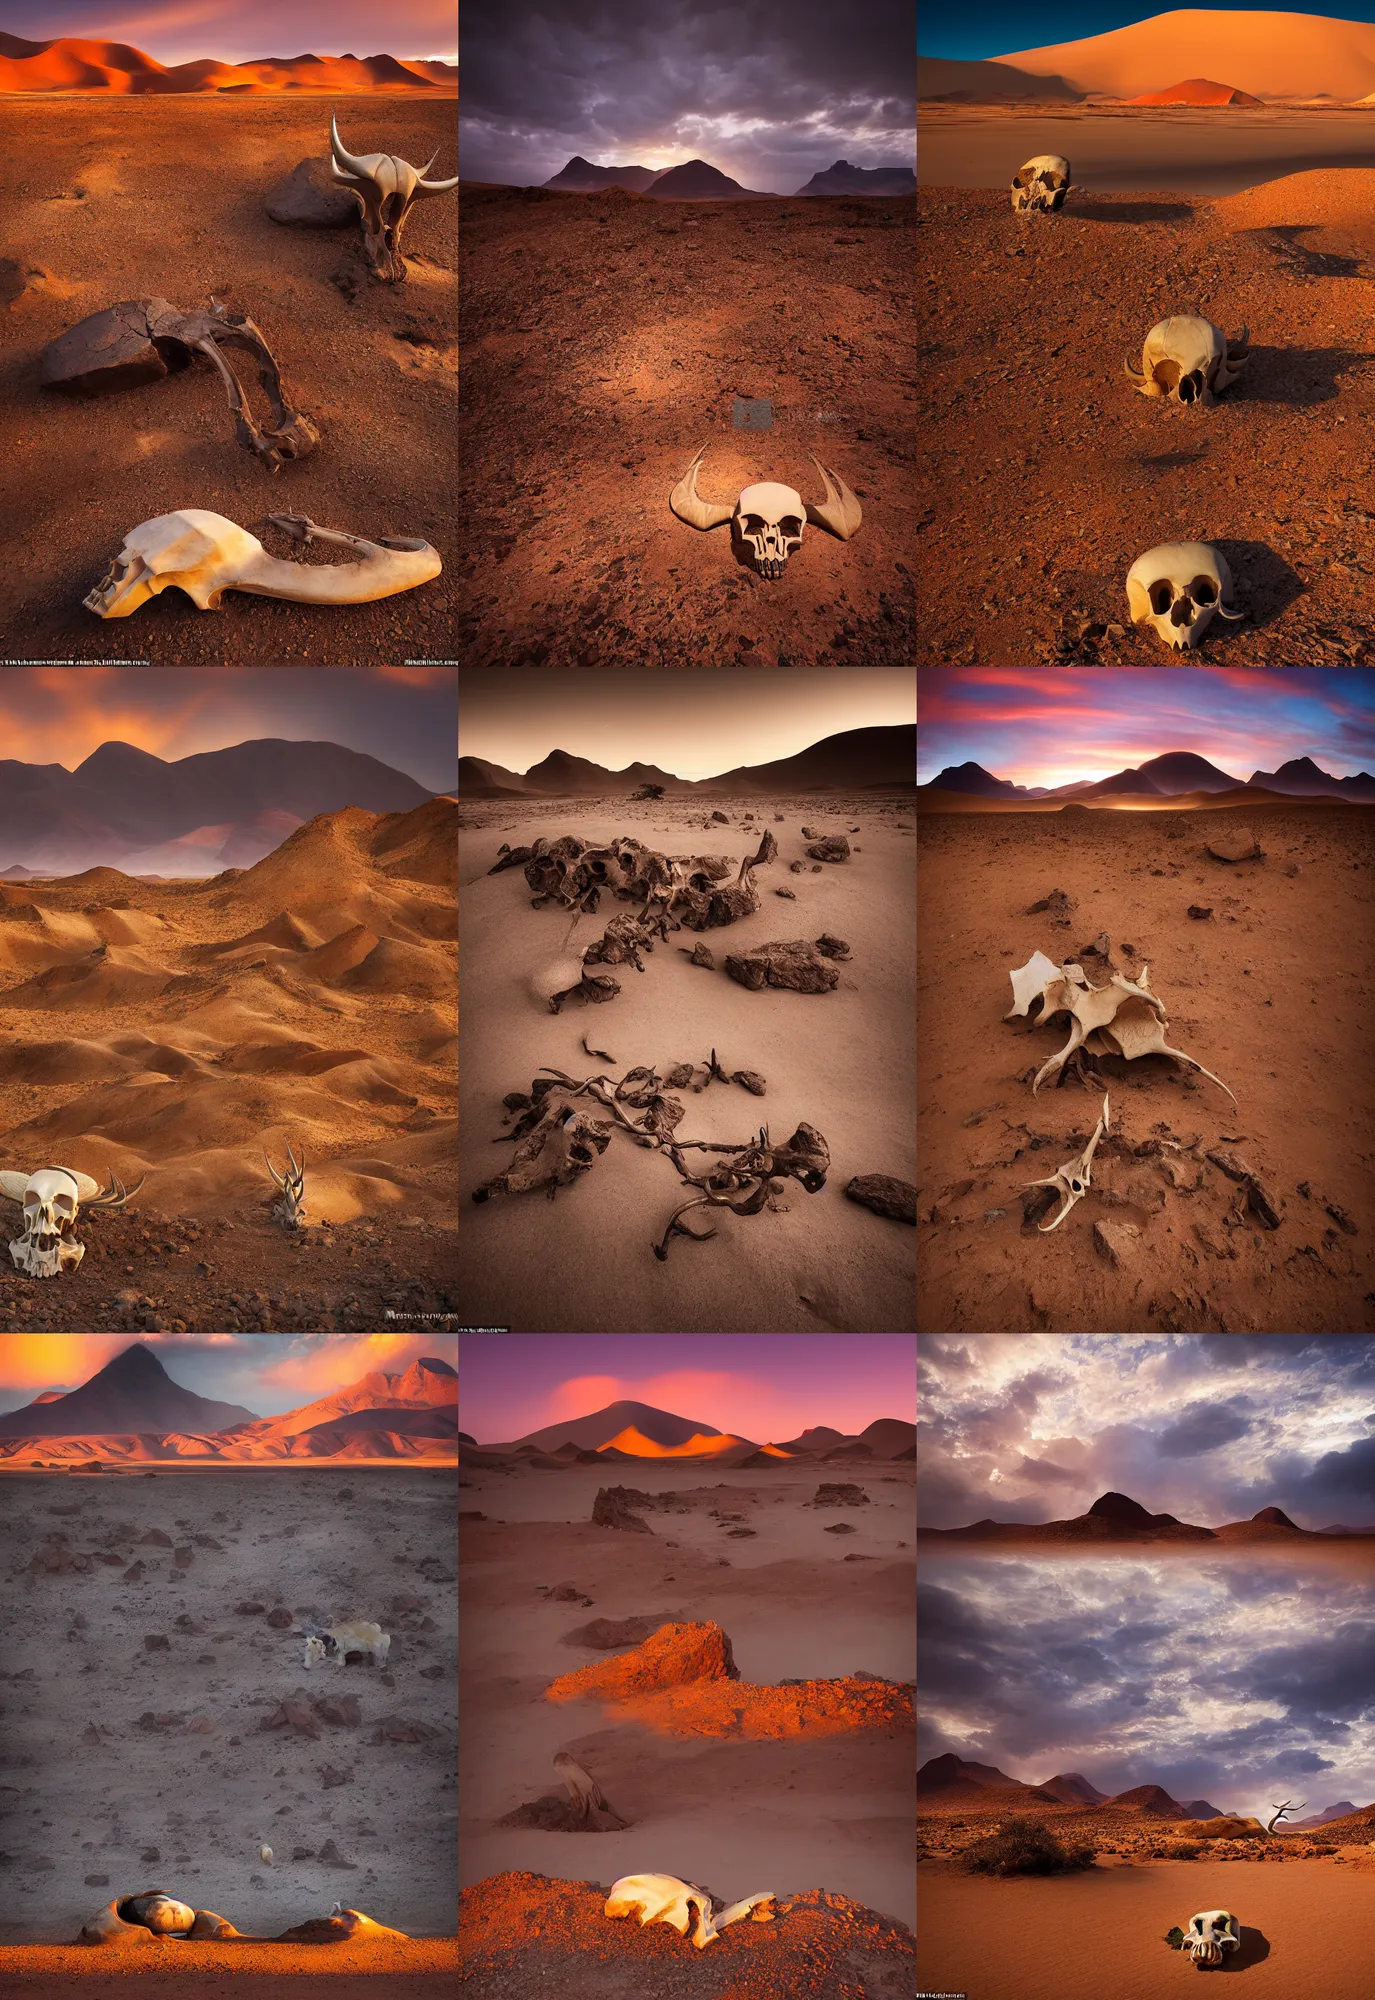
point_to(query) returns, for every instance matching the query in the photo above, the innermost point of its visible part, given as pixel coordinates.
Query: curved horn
(840, 511)
(688, 504)
(279, 1178)
(12, 1186)
(1137, 374)
(300, 1171)
(423, 186)
(343, 159)
(116, 1194)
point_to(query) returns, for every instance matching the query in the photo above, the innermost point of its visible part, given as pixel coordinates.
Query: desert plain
(810, 1797)
(606, 337)
(117, 197)
(178, 1030)
(1268, 991)
(841, 1061)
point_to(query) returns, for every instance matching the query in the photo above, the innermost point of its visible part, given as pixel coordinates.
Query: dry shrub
(1024, 1847)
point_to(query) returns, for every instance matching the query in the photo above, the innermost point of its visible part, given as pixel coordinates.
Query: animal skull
(387, 189)
(204, 554)
(1211, 1933)
(50, 1199)
(1075, 1180)
(664, 1899)
(1179, 588)
(769, 518)
(289, 1207)
(1189, 360)
(1041, 185)
(1124, 1018)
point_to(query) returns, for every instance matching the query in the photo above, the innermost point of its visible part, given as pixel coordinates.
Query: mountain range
(123, 807)
(70, 63)
(951, 1781)
(1116, 1518)
(629, 1430)
(881, 758)
(131, 1411)
(1167, 776)
(697, 180)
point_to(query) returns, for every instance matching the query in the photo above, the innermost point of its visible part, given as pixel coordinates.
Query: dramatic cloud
(767, 94)
(1039, 729)
(1210, 1680)
(178, 31)
(1208, 1428)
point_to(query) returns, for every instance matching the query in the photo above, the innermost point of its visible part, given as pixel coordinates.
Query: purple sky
(764, 1386)
(178, 31)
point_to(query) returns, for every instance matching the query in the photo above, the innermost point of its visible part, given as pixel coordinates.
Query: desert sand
(179, 1029)
(1265, 52)
(826, 1812)
(122, 197)
(1270, 475)
(422, 1969)
(841, 1061)
(1268, 993)
(131, 1766)
(606, 338)
(1305, 1926)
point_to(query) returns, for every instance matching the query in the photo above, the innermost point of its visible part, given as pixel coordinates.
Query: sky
(692, 723)
(403, 716)
(1001, 27)
(768, 94)
(266, 1373)
(764, 1386)
(1238, 1682)
(178, 31)
(1210, 1428)
(1040, 728)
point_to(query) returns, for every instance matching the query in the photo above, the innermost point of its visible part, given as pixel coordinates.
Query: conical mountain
(1182, 771)
(590, 1433)
(132, 1393)
(696, 180)
(376, 1401)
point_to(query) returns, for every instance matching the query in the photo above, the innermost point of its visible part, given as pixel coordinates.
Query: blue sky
(1052, 728)
(1000, 27)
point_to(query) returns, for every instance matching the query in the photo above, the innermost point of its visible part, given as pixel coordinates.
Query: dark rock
(787, 893)
(344, 1493)
(834, 848)
(604, 1634)
(832, 947)
(886, 1196)
(701, 955)
(279, 1619)
(797, 868)
(250, 1609)
(1037, 1202)
(751, 1080)
(207, 1542)
(332, 1858)
(1056, 904)
(310, 198)
(565, 1593)
(722, 817)
(795, 964)
(431, 1673)
(340, 1709)
(1341, 1218)
(610, 1509)
(1198, 913)
(154, 1642)
(149, 1856)
(840, 1494)
(741, 1531)
(1260, 1204)
(157, 1538)
(96, 1881)
(840, 1528)
(329, 1777)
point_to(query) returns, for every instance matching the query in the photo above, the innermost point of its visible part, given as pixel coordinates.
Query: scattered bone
(584, 1810)
(664, 1899)
(768, 519)
(1179, 588)
(387, 189)
(1124, 1018)
(885, 1196)
(1188, 360)
(1040, 187)
(1074, 1181)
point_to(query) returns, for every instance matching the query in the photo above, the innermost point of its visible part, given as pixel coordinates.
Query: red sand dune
(72, 64)
(637, 1445)
(1268, 54)
(1197, 90)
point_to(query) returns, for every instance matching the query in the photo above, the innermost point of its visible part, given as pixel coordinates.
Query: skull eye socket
(1203, 590)
(790, 525)
(753, 524)
(1162, 596)
(64, 1205)
(31, 1202)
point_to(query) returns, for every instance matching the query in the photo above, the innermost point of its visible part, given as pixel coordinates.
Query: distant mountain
(477, 778)
(842, 178)
(1153, 1800)
(590, 1433)
(881, 758)
(938, 1772)
(1200, 1809)
(695, 180)
(1301, 777)
(970, 777)
(581, 177)
(16, 872)
(1072, 1790)
(1182, 771)
(819, 1438)
(1116, 1518)
(1124, 781)
(133, 1392)
(1198, 90)
(1173, 775)
(73, 64)
(1338, 1811)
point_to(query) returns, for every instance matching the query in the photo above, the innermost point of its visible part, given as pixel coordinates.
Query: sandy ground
(422, 1969)
(1117, 150)
(1025, 333)
(180, 1029)
(735, 1815)
(130, 197)
(1269, 993)
(605, 338)
(841, 1061)
(1307, 1927)
(91, 1789)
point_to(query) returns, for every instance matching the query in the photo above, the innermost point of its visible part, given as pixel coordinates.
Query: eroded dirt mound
(674, 1655)
(765, 1714)
(523, 1936)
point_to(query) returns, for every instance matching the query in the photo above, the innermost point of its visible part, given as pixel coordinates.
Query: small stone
(701, 955)
(885, 1195)
(279, 1618)
(1198, 913)
(1340, 1217)
(1056, 904)
(149, 1856)
(840, 1528)
(250, 1609)
(157, 1537)
(835, 848)
(832, 947)
(994, 1214)
(788, 893)
(797, 868)
(1235, 843)
(1116, 1240)
(722, 817)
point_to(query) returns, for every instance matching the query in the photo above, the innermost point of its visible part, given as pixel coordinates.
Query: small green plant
(1024, 1847)
(1174, 1938)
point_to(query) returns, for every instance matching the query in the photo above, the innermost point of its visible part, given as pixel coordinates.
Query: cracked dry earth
(1043, 475)
(1270, 992)
(605, 338)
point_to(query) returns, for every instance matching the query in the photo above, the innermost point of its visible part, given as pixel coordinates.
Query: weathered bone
(769, 517)
(387, 189)
(664, 1899)
(1123, 1018)
(204, 554)
(289, 1207)
(50, 1199)
(1210, 1933)
(1075, 1180)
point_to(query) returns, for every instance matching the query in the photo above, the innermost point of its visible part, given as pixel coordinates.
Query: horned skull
(50, 1199)
(1040, 187)
(1179, 588)
(289, 1207)
(1189, 360)
(1211, 1933)
(204, 554)
(768, 518)
(664, 1899)
(387, 189)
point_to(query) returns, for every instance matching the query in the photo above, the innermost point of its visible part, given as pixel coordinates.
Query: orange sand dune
(1267, 54)
(638, 1445)
(1197, 90)
(1327, 198)
(70, 63)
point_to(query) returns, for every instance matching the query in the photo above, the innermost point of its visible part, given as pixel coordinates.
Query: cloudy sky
(1000, 27)
(178, 31)
(404, 716)
(688, 722)
(1237, 1681)
(266, 1373)
(1210, 1428)
(770, 95)
(765, 1386)
(1053, 728)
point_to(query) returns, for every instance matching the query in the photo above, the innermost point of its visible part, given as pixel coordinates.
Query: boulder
(1235, 843)
(673, 1656)
(1116, 1241)
(835, 847)
(310, 198)
(887, 1196)
(157, 1538)
(795, 963)
(280, 1619)
(611, 1509)
(839, 1494)
(840, 1528)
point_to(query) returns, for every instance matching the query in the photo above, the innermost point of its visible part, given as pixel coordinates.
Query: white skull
(664, 1899)
(1041, 185)
(49, 1200)
(201, 553)
(1189, 360)
(1179, 588)
(770, 519)
(1211, 1933)
(387, 189)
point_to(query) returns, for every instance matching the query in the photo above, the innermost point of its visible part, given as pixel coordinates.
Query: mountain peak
(1117, 1507)
(1273, 1517)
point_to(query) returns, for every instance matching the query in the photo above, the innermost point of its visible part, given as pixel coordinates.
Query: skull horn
(840, 511)
(343, 159)
(116, 1194)
(688, 504)
(423, 186)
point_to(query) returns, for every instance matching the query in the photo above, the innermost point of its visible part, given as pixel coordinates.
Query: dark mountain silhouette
(590, 1433)
(938, 1772)
(1169, 776)
(1339, 1811)
(1200, 1809)
(1117, 1518)
(971, 777)
(1182, 771)
(1073, 1790)
(464, 1438)
(121, 800)
(695, 180)
(820, 1437)
(1124, 781)
(133, 1392)
(1301, 777)
(882, 758)
(581, 177)
(842, 178)
(1150, 1799)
